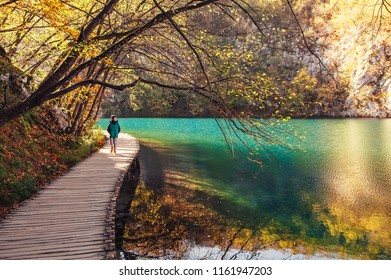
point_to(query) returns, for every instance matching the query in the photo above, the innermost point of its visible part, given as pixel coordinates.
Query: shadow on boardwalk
(72, 218)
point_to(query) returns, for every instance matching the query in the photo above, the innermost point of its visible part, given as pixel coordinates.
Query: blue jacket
(114, 129)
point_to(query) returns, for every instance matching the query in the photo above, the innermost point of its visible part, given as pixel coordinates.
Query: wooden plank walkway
(73, 217)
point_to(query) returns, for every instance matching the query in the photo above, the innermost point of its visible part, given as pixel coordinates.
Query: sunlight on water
(331, 196)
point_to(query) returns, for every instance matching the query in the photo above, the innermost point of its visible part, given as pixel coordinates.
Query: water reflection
(331, 199)
(358, 214)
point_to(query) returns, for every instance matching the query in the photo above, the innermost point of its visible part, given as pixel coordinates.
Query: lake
(327, 195)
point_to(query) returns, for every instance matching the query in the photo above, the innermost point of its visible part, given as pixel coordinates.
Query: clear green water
(333, 195)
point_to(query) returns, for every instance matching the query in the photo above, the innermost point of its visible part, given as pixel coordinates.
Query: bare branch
(7, 3)
(250, 16)
(177, 28)
(118, 87)
(90, 82)
(306, 42)
(218, 5)
(387, 5)
(50, 84)
(231, 242)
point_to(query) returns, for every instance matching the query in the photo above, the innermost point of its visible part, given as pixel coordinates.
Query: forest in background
(329, 59)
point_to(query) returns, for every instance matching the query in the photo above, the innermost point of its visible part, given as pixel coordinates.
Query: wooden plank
(84, 187)
(51, 237)
(49, 203)
(63, 196)
(84, 256)
(80, 188)
(54, 231)
(7, 237)
(53, 252)
(54, 234)
(55, 216)
(76, 255)
(86, 215)
(70, 219)
(24, 223)
(37, 246)
(60, 211)
(29, 215)
(65, 205)
(54, 247)
(30, 226)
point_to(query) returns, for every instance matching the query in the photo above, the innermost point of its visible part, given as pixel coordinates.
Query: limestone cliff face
(370, 83)
(13, 85)
(356, 47)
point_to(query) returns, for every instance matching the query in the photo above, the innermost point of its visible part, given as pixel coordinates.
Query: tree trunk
(77, 118)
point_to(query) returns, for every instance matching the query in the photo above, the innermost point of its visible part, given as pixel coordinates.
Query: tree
(77, 50)
(92, 44)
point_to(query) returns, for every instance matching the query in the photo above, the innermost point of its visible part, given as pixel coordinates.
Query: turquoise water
(329, 193)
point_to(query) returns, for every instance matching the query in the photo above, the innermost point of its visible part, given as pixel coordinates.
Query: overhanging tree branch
(171, 13)
(156, 20)
(90, 82)
(59, 78)
(177, 28)
(120, 87)
(250, 16)
(51, 81)
(7, 3)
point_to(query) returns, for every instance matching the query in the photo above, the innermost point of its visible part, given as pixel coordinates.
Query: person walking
(113, 129)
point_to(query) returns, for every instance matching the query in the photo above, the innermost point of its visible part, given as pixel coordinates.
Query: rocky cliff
(354, 42)
(13, 85)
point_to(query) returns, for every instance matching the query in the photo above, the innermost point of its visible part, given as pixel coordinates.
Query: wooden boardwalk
(73, 217)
